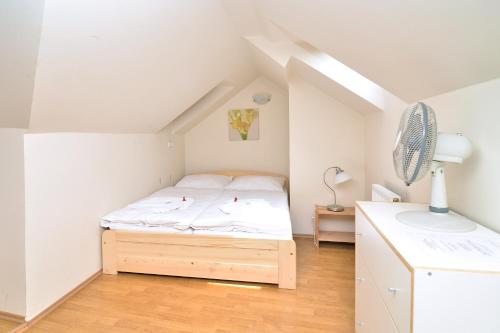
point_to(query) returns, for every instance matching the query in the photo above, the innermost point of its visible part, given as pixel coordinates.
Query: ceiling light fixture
(261, 98)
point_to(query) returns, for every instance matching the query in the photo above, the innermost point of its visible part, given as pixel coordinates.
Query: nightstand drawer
(391, 276)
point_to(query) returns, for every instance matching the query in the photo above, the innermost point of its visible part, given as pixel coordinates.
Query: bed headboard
(236, 173)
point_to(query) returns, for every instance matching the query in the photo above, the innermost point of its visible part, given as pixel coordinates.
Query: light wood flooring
(323, 301)
(7, 325)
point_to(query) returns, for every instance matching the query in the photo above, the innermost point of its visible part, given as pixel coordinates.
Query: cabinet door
(458, 302)
(390, 275)
(371, 314)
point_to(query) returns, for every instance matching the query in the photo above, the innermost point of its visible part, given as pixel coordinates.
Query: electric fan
(418, 149)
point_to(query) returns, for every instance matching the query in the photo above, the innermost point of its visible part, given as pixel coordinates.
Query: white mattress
(283, 235)
(206, 209)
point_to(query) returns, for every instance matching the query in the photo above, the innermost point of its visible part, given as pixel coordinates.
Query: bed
(264, 257)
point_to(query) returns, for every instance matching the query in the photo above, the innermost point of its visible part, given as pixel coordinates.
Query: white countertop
(478, 250)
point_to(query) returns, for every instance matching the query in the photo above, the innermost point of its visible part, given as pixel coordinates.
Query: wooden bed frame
(200, 256)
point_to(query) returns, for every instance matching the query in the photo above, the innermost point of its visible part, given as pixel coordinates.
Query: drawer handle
(358, 234)
(360, 279)
(393, 290)
(360, 323)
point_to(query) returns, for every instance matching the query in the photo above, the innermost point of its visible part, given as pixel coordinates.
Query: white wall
(12, 276)
(473, 187)
(172, 156)
(71, 181)
(208, 147)
(323, 133)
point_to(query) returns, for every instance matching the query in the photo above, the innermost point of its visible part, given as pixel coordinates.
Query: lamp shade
(342, 177)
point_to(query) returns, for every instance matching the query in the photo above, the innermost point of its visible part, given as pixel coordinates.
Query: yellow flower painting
(243, 124)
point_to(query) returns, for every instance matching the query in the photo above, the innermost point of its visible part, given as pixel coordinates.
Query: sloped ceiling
(203, 107)
(20, 25)
(135, 66)
(281, 59)
(131, 66)
(414, 49)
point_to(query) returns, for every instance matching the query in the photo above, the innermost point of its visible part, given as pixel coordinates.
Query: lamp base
(335, 208)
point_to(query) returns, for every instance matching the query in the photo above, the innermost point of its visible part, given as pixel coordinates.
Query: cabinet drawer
(390, 275)
(371, 313)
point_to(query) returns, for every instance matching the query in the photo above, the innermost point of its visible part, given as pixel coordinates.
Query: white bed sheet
(151, 229)
(180, 219)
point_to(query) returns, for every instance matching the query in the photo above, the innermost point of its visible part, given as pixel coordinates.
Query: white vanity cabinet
(411, 280)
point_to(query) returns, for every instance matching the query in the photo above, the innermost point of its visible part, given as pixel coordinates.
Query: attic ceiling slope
(202, 108)
(279, 59)
(131, 66)
(414, 49)
(20, 26)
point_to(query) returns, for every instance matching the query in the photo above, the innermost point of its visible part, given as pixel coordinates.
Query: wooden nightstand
(332, 236)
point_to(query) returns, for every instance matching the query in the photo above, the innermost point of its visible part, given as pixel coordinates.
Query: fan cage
(415, 143)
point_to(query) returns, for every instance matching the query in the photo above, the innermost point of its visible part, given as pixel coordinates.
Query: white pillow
(260, 183)
(204, 181)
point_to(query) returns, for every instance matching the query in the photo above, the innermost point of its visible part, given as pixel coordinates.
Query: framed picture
(243, 124)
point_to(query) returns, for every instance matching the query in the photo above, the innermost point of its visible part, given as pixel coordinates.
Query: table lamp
(340, 177)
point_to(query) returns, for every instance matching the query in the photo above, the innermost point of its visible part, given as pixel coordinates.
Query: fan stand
(438, 218)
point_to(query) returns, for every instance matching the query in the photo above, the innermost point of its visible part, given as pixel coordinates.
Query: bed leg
(109, 252)
(287, 265)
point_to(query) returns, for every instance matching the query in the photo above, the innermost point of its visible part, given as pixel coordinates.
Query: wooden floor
(7, 325)
(323, 301)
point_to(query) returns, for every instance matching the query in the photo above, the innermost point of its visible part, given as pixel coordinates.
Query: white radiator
(381, 193)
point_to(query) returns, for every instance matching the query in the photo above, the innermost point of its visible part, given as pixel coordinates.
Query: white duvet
(256, 214)
(169, 207)
(252, 212)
